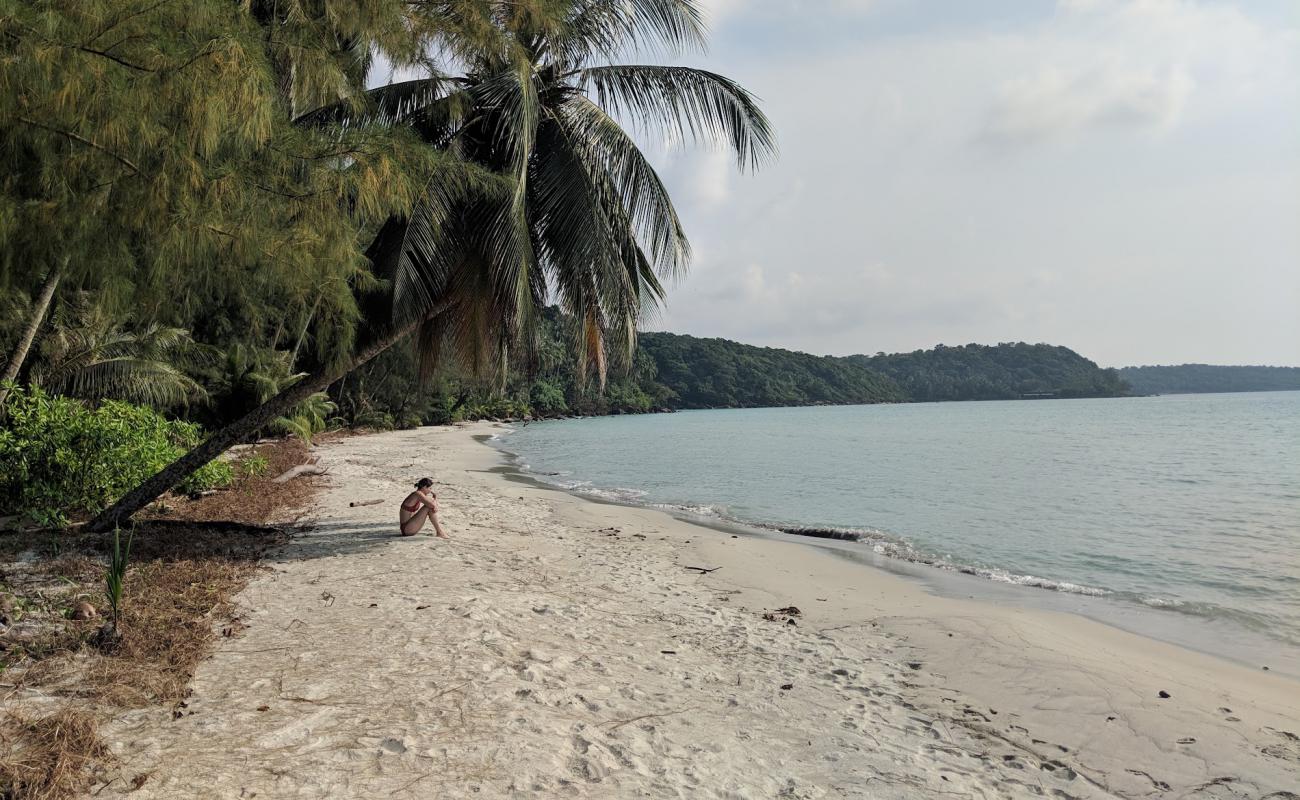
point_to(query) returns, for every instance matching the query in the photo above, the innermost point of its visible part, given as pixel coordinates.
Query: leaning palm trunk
(24, 344)
(221, 440)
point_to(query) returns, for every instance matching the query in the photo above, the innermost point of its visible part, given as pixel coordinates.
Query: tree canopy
(995, 372)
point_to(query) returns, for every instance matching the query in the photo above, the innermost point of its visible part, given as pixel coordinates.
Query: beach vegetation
(61, 457)
(254, 465)
(88, 353)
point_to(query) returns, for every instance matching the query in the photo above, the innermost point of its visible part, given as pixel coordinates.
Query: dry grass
(184, 571)
(49, 757)
(252, 500)
(178, 593)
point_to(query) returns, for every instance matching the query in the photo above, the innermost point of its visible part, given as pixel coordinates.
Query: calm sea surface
(1175, 516)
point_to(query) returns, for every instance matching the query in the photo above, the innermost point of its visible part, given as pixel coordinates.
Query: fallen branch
(298, 471)
(357, 503)
(615, 724)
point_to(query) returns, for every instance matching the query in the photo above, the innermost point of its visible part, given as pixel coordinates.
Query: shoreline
(1164, 625)
(557, 646)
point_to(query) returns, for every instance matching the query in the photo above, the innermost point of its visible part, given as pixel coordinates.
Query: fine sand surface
(557, 647)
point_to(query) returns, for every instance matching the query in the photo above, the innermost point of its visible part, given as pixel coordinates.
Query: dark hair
(424, 483)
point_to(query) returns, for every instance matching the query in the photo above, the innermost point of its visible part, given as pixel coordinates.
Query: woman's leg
(413, 525)
(437, 527)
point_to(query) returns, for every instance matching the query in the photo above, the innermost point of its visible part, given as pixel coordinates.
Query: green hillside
(995, 372)
(719, 373)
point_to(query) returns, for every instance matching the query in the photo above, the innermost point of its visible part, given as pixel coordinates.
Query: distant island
(1208, 378)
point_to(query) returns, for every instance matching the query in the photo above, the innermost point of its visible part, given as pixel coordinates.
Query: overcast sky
(1121, 177)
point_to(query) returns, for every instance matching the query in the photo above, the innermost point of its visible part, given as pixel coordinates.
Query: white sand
(527, 657)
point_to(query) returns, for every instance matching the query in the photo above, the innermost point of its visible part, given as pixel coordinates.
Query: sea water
(1175, 516)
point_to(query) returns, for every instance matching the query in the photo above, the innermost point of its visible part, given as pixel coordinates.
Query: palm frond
(134, 380)
(390, 104)
(690, 103)
(602, 143)
(607, 28)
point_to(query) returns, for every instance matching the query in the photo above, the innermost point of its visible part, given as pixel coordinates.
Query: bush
(254, 465)
(547, 397)
(60, 457)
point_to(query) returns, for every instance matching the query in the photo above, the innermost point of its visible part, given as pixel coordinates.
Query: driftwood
(301, 469)
(356, 503)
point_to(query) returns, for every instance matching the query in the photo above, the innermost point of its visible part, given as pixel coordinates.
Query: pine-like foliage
(150, 152)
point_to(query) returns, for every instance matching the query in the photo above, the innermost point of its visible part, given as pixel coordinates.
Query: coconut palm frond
(688, 103)
(90, 355)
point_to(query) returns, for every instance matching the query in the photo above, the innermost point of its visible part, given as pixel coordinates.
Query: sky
(1118, 176)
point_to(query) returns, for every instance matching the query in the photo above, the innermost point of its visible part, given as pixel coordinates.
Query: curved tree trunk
(221, 440)
(24, 345)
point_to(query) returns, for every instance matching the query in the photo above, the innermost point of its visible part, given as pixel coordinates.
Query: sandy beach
(559, 647)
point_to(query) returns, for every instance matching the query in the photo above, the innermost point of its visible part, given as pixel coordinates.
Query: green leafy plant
(308, 418)
(60, 457)
(253, 466)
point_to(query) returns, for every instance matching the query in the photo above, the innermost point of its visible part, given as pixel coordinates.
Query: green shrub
(60, 457)
(253, 465)
(547, 397)
(375, 420)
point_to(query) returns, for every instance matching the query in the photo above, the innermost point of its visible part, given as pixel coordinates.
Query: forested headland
(1209, 378)
(1005, 371)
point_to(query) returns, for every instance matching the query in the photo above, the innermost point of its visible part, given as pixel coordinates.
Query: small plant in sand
(114, 580)
(254, 466)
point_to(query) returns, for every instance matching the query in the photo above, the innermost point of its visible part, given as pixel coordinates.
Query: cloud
(720, 12)
(1138, 66)
(1054, 104)
(710, 177)
(1148, 158)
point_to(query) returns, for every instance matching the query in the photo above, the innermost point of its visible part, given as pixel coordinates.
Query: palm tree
(584, 215)
(89, 354)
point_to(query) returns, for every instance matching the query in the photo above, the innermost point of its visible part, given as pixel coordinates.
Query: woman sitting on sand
(419, 506)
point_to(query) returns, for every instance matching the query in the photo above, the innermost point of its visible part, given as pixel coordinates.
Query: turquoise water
(1177, 516)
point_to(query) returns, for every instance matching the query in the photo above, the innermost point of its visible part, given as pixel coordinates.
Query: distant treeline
(672, 371)
(1006, 371)
(719, 373)
(1204, 378)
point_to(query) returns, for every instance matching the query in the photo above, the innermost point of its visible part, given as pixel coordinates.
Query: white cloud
(1137, 65)
(719, 12)
(710, 177)
(1054, 104)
